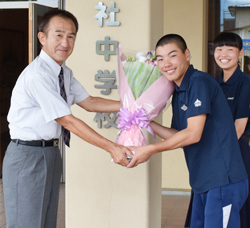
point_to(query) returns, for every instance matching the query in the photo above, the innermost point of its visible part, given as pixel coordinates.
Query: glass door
(35, 12)
(231, 16)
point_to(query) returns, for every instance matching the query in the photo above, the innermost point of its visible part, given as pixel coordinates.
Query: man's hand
(118, 153)
(81, 129)
(141, 155)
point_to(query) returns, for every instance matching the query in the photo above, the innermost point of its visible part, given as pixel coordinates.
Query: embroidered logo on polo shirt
(230, 98)
(184, 107)
(197, 103)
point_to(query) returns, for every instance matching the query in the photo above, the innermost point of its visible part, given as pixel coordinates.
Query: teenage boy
(203, 126)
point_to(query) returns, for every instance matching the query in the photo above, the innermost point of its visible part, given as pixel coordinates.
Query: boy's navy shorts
(219, 207)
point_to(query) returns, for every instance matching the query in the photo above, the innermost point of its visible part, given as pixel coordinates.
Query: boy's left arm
(190, 135)
(161, 131)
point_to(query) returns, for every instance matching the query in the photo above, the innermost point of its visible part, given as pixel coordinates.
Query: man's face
(59, 39)
(172, 62)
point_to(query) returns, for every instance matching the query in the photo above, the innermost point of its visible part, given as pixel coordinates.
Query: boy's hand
(141, 155)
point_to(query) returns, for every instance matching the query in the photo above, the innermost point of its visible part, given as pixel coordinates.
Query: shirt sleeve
(243, 102)
(47, 97)
(77, 90)
(200, 97)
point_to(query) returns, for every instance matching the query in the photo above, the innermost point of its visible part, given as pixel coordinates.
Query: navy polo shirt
(237, 93)
(216, 159)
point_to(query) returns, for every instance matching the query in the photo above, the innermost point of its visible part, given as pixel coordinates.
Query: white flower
(139, 54)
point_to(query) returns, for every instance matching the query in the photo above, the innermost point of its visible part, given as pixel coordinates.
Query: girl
(236, 87)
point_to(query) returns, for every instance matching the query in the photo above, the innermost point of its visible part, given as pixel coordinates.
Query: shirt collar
(54, 66)
(185, 81)
(232, 79)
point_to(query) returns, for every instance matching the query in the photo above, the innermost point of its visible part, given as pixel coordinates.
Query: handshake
(130, 156)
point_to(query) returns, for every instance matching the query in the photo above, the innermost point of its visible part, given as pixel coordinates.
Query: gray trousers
(31, 184)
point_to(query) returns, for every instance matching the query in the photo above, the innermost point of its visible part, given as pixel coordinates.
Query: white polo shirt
(36, 101)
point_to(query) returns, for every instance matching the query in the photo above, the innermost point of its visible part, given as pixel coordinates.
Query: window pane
(231, 16)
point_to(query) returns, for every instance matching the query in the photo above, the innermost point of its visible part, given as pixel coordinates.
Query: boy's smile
(172, 62)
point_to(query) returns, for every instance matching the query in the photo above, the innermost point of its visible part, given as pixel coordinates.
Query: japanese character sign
(102, 15)
(107, 44)
(108, 80)
(100, 117)
(106, 47)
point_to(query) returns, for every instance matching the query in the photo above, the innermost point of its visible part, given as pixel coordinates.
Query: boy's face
(227, 57)
(172, 62)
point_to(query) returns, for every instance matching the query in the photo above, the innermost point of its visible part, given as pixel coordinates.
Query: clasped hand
(139, 154)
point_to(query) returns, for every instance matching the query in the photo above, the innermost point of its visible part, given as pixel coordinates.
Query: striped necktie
(66, 133)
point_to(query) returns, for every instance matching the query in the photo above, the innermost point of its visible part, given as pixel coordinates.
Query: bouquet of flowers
(144, 94)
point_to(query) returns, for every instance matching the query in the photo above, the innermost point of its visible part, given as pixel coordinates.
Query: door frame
(25, 4)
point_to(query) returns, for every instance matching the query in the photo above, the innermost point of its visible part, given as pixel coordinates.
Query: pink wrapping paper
(152, 102)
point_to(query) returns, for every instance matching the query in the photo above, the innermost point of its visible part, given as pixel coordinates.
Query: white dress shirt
(36, 101)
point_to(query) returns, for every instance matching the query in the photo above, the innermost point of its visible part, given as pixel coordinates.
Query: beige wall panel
(186, 18)
(98, 192)
(174, 169)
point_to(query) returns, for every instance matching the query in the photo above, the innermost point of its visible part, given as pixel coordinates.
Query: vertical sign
(106, 47)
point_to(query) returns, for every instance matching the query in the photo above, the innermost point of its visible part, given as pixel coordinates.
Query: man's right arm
(82, 130)
(98, 104)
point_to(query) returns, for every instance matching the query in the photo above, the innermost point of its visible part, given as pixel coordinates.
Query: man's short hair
(172, 38)
(45, 19)
(228, 39)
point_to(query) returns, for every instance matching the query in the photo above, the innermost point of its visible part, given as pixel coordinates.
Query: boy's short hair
(228, 39)
(172, 38)
(45, 19)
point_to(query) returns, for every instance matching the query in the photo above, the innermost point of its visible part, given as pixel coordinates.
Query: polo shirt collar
(185, 81)
(232, 79)
(53, 65)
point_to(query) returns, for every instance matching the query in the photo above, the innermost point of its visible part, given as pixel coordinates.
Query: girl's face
(227, 57)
